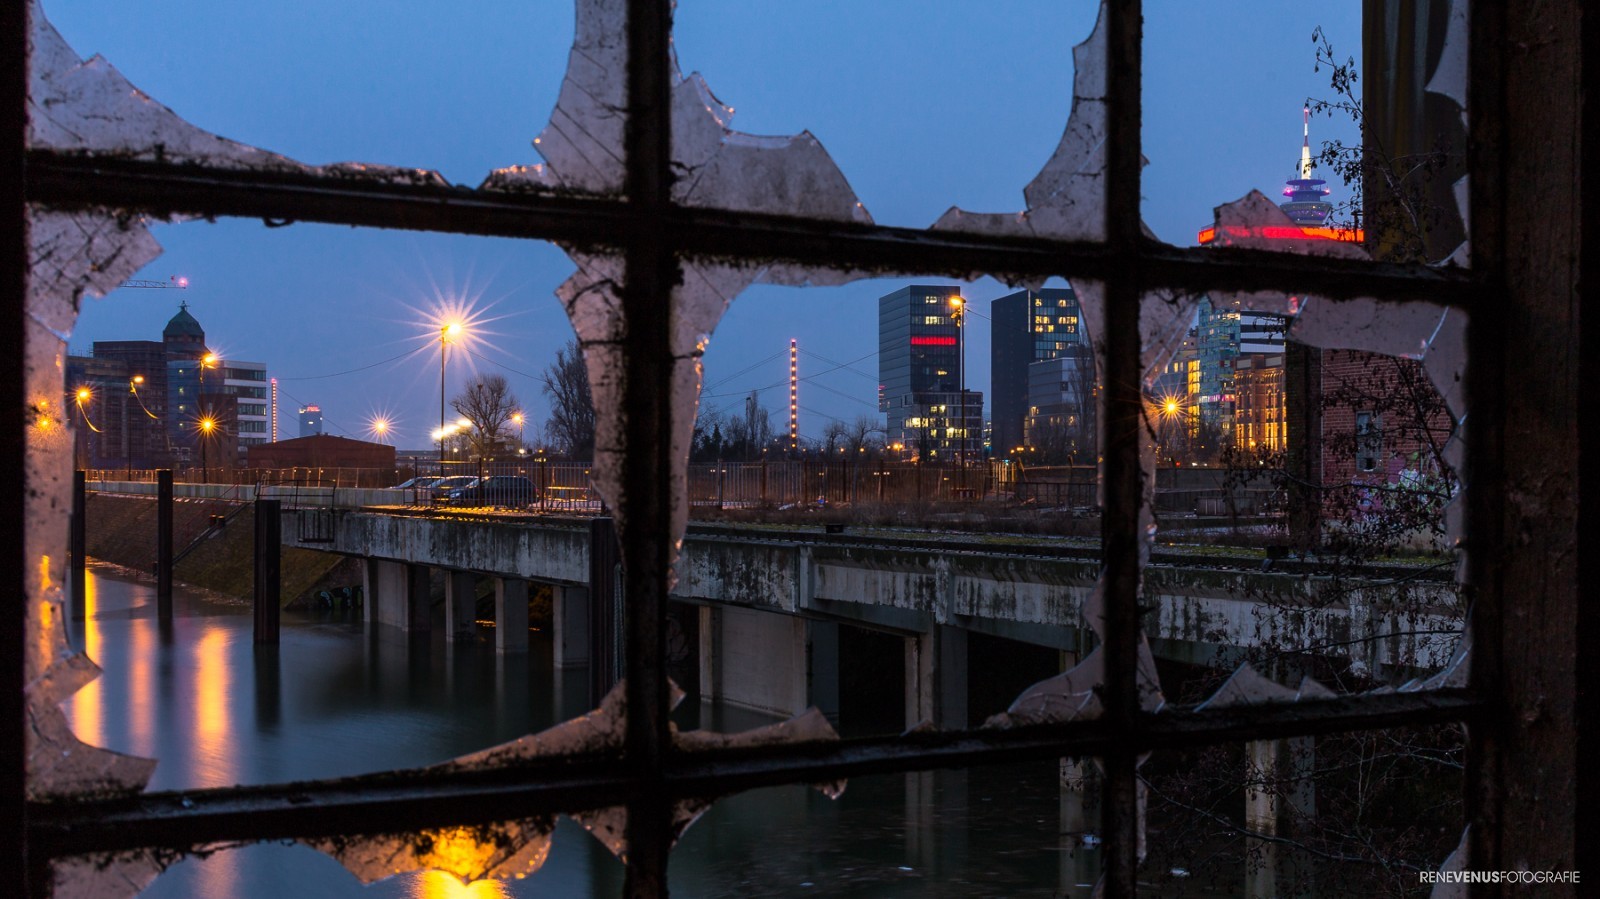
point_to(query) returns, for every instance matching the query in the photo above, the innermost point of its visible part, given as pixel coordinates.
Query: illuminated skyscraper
(919, 373)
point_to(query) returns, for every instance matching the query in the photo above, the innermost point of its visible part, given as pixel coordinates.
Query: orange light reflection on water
(439, 885)
(213, 726)
(88, 704)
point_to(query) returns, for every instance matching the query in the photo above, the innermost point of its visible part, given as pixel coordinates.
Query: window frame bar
(655, 234)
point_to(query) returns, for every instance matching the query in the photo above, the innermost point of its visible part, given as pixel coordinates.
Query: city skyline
(327, 300)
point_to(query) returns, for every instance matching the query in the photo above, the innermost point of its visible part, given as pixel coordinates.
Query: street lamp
(447, 331)
(957, 310)
(207, 423)
(518, 419)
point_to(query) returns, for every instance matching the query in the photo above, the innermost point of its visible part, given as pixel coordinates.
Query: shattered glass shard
(108, 877)
(1066, 200)
(502, 850)
(720, 168)
(1246, 686)
(72, 255)
(582, 144)
(87, 106)
(608, 825)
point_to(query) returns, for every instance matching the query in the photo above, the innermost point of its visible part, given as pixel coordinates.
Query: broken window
(655, 272)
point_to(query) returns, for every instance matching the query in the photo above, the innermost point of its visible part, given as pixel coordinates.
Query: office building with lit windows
(147, 398)
(1028, 326)
(919, 374)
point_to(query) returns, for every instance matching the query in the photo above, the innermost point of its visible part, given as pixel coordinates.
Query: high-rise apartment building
(920, 343)
(1027, 326)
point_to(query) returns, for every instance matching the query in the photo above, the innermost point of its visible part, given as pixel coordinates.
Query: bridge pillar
(822, 667)
(758, 660)
(710, 664)
(1260, 792)
(397, 594)
(510, 614)
(936, 678)
(460, 605)
(1076, 821)
(569, 614)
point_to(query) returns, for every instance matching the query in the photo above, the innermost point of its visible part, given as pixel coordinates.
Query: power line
(362, 368)
(848, 366)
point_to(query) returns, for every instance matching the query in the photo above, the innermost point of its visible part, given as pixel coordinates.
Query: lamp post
(81, 398)
(518, 419)
(206, 421)
(133, 388)
(446, 331)
(956, 315)
(207, 425)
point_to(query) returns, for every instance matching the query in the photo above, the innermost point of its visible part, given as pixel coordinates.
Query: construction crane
(176, 282)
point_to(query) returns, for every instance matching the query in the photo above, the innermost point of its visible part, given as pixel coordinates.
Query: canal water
(335, 700)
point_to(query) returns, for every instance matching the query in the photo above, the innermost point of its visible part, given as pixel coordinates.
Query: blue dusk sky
(923, 105)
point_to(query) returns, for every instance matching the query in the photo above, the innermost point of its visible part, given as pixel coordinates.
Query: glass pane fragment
(111, 877)
(72, 255)
(725, 169)
(511, 849)
(79, 105)
(582, 144)
(1066, 200)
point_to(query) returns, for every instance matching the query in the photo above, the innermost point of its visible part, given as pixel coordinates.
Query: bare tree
(571, 424)
(488, 405)
(751, 432)
(858, 438)
(834, 436)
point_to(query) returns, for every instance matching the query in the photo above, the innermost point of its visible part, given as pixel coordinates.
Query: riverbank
(121, 530)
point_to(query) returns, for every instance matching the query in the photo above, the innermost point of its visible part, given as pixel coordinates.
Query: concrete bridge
(770, 600)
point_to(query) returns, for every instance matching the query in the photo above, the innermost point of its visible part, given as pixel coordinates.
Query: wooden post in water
(79, 540)
(605, 608)
(164, 544)
(269, 548)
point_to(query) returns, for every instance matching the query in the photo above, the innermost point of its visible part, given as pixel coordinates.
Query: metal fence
(559, 486)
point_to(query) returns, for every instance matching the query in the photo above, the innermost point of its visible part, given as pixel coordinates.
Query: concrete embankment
(122, 530)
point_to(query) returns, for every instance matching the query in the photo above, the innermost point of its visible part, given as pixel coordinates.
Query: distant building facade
(146, 403)
(310, 421)
(320, 455)
(1060, 427)
(919, 374)
(1028, 326)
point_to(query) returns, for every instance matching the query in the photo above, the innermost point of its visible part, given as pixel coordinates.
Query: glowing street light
(207, 426)
(957, 314)
(379, 427)
(448, 331)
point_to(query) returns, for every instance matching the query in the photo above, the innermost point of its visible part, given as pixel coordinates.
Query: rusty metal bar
(164, 545)
(1124, 492)
(19, 569)
(409, 800)
(597, 222)
(268, 570)
(645, 506)
(1485, 453)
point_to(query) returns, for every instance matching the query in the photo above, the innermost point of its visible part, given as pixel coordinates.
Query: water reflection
(439, 885)
(334, 700)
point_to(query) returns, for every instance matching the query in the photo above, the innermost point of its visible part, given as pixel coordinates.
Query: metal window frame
(652, 234)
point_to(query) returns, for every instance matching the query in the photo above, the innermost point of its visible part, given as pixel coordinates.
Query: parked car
(416, 483)
(498, 490)
(442, 487)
